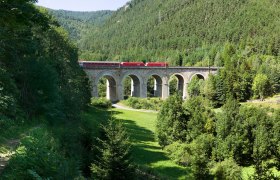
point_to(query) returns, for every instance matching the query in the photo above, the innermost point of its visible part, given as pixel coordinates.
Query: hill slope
(184, 29)
(78, 23)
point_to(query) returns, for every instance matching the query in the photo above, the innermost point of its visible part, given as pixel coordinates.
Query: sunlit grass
(270, 102)
(146, 151)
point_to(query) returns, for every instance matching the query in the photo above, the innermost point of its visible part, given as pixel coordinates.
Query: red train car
(156, 64)
(92, 64)
(132, 64)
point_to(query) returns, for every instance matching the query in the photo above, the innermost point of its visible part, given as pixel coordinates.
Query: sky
(83, 5)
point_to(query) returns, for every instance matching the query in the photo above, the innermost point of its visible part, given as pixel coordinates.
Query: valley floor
(147, 154)
(146, 151)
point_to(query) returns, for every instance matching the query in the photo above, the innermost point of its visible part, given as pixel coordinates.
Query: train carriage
(93, 64)
(156, 64)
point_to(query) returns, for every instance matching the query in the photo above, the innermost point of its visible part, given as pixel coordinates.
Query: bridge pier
(165, 88)
(120, 94)
(94, 92)
(185, 92)
(111, 91)
(143, 91)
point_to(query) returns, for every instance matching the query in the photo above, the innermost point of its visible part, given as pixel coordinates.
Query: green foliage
(8, 91)
(78, 24)
(127, 87)
(238, 134)
(40, 79)
(115, 159)
(201, 152)
(227, 170)
(255, 139)
(276, 137)
(172, 121)
(195, 86)
(38, 65)
(173, 85)
(180, 153)
(38, 157)
(101, 102)
(262, 172)
(140, 103)
(261, 86)
(201, 120)
(89, 131)
(243, 76)
(102, 87)
(209, 90)
(188, 31)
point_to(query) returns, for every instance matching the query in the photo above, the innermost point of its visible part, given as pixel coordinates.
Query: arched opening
(199, 76)
(154, 86)
(196, 85)
(107, 87)
(131, 86)
(176, 84)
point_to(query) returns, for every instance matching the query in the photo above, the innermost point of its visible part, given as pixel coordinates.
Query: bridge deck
(144, 67)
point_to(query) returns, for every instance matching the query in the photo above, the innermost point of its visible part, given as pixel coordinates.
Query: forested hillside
(39, 69)
(41, 84)
(79, 23)
(184, 29)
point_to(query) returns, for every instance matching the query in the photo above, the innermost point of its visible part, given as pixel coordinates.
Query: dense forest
(41, 84)
(77, 24)
(193, 31)
(39, 69)
(217, 145)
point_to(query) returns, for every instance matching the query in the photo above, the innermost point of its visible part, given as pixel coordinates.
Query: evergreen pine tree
(115, 154)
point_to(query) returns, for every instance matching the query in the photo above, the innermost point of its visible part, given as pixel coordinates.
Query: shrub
(227, 170)
(179, 153)
(38, 158)
(142, 103)
(101, 102)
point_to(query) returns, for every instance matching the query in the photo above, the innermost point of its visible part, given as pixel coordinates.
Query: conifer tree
(115, 154)
(172, 121)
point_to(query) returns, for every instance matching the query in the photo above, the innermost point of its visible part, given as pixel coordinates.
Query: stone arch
(136, 83)
(111, 87)
(180, 84)
(158, 84)
(199, 75)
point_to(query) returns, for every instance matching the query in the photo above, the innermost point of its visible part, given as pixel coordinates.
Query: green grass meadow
(147, 154)
(146, 151)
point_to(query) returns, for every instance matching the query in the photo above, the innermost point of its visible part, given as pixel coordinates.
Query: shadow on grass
(147, 152)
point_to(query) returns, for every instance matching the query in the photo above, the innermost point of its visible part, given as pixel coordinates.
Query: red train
(92, 64)
(156, 64)
(132, 64)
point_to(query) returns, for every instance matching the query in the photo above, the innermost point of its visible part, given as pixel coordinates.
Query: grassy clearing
(146, 151)
(271, 103)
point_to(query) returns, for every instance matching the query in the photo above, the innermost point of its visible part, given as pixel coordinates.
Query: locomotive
(92, 64)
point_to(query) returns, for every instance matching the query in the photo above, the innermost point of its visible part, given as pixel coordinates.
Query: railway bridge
(139, 78)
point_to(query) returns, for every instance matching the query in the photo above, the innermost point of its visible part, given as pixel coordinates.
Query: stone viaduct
(139, 75)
